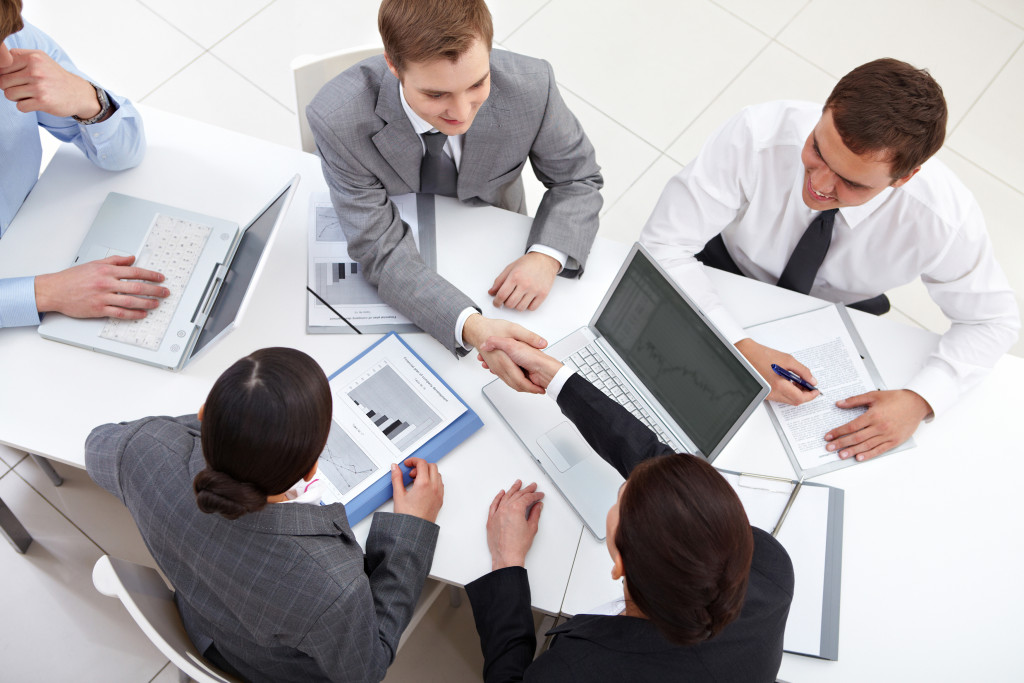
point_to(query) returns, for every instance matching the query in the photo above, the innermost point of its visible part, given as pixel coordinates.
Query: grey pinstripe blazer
(285, 593)
(370, 150)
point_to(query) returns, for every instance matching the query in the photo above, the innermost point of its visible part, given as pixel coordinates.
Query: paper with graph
(338, 288)
(387, 404)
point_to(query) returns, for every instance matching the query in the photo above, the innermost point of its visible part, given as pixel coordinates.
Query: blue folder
(380, 491)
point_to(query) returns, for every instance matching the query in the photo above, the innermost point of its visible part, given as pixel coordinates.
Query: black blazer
(595, 648)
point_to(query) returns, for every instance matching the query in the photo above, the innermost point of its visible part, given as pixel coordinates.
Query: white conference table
(54, 394)
(932, 537)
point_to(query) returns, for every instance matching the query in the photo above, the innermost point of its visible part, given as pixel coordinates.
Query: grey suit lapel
(397, 141)
(483, 146)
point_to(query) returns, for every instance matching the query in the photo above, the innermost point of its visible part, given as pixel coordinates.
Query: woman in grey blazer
(270, 584)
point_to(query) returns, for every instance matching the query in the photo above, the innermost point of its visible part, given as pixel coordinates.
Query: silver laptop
(210, 266)
(653, 350)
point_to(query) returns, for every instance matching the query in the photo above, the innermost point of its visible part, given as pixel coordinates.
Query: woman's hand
(512, 523)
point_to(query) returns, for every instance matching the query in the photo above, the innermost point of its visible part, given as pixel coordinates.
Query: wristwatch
(105, 106)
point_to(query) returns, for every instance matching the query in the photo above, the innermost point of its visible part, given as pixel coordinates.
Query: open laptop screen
(677, 356)
(240, 274)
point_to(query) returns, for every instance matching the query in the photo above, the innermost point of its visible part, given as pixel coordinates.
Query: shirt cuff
(461, 323)
(18, 302)
(559, 256)
(559, 380)
(937, 387)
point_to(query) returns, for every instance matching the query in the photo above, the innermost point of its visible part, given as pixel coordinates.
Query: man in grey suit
(439, 112)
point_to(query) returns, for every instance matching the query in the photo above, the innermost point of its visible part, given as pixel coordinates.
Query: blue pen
(794, 378)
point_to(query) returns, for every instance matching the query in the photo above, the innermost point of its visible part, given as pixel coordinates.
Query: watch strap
(105, 106)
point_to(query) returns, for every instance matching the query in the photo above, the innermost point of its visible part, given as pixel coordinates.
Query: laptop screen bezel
(288, 192)
(639, 251)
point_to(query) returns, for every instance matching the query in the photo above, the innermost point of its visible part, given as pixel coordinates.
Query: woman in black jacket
(706, 595)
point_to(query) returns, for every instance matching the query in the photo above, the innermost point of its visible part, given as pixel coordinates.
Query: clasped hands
(890, 419)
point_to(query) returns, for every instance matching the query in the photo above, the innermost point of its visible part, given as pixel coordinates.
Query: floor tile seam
(714, 99)
(564, 88)
(171, 24)
(254, 84)
(23, 456)
(962, 155)
(909, 317)
(1001, 16)
(524, 22)
(162, 669)
(173, 76)
(219, 40)
(59, 511)
(792, 19)
(984, 90)
(632, 184)
(807, 60)
(741, 19)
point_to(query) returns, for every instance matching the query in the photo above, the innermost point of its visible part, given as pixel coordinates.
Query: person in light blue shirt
(41, 87)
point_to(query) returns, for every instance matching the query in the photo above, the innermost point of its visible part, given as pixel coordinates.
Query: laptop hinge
(206, 302)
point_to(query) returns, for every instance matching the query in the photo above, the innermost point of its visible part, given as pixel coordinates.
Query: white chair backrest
(311, 73)
(151, 604)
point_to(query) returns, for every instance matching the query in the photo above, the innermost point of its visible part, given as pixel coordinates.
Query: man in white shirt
(858, 168)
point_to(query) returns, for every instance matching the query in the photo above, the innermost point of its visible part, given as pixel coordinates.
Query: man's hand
(478, 329)
(539, 366)
(525, 283)
(783, 391)
(37, 83)
(100, 289)
(891, 418)
(512, 523)
(426, 495)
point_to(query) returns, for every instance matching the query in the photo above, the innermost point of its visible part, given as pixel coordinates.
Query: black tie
(807, 257)
(438, 174)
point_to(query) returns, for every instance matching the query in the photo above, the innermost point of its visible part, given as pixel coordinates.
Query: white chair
(151, 604)
(312, 72)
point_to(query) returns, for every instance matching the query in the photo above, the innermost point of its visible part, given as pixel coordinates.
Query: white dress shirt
(453, 148)
(746, 184)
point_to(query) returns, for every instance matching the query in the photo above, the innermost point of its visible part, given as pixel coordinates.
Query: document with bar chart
(389, 405)
(337, 289)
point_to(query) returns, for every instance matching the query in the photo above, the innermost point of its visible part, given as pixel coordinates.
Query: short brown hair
(10, 18)
(427, 30)
(686, 547)
(889, 107)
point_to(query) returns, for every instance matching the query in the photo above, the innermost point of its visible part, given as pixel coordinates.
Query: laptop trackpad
(564, 446)
(97, 252)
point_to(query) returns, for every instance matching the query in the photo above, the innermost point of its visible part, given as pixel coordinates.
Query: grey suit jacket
(285, 593)
(370, 150)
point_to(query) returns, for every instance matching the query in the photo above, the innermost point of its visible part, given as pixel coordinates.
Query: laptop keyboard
(172, 247)
(591, 364)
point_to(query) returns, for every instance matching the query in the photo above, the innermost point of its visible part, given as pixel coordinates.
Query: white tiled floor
(648, 79)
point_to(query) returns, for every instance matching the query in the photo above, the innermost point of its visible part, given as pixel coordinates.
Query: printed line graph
(342, 462)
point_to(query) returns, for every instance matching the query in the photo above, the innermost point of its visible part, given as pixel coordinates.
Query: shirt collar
(418, 124)
(854, 215)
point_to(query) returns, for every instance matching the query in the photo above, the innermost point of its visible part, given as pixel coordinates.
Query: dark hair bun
(221, 493)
